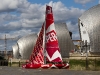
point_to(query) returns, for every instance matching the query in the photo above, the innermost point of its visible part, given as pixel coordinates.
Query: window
(81, 24)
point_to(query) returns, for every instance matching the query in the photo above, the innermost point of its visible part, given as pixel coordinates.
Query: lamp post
(10, 62)
(19, 62)
(86, 55)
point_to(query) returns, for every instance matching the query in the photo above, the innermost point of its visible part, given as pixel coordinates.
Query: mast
(44, 42)
(45, 38)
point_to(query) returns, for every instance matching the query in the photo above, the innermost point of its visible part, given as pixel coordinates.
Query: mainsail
(52, 46)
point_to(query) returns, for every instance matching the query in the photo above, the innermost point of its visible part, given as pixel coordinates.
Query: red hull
(31, 66)
(46, 66)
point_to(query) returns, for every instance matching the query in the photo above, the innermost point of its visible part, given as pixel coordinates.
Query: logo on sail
(51, 36)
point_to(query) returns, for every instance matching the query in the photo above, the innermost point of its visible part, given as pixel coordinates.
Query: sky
(19, 18)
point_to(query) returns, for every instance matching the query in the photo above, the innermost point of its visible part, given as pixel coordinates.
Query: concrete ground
(5, 70)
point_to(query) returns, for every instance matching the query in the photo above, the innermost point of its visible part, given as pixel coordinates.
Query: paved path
(19, 71)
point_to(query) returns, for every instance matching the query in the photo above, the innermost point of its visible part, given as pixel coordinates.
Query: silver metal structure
(89, 25)
(64, 39)
(15, 51)
(26, 45)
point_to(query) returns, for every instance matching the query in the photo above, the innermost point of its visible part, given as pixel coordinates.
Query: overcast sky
(22, 17)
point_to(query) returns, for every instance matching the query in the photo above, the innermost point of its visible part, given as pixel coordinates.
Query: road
(5, 70)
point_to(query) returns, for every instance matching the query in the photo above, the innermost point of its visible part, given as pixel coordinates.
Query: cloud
(12, 5)
(83, 1)
(10, 17)
(20, 17)
(99, 1)
(33, 16)
(73, 27)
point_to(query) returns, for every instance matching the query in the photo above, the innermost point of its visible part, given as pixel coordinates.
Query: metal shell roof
(91, 21)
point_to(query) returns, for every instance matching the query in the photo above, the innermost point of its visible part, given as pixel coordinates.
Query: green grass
(77, 64)
(16, 64)
(93, 64)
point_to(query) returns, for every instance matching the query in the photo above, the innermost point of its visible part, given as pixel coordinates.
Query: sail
(51, 44)
(37, 56)
(47, 43)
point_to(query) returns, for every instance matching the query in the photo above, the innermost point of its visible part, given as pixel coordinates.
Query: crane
(5, 38)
